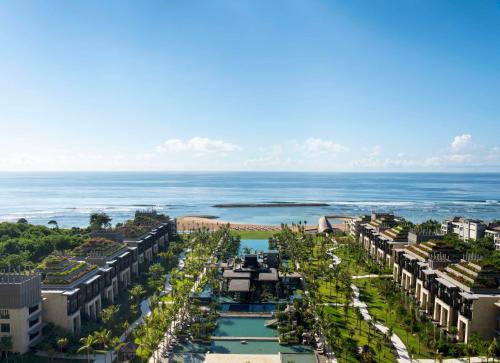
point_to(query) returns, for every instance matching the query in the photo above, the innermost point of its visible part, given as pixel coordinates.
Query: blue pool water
(257, 245)
(235, 347)
(243, 327)
(250, 308)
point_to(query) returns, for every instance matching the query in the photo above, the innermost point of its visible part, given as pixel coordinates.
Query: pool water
(243, 327)
(257, 245)
(298, 358)
(250, 308)
(235, 347)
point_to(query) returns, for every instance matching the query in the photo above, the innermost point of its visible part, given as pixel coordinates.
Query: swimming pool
(257, 245)
(249, 308)
(243, 327)
(235, 347)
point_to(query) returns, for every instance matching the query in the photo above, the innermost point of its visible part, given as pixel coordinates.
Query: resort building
(108, 254)
(354, 225)
(466, 299)
(250, 276)
(21, 309)
(71, 289)
(493, 231)
(378, 223)
(461, 296)
(414, 268)
(465, 228)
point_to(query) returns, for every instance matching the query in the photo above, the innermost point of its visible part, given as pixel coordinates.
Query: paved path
(97, 358)
(156, 356)
(395, 340)
(454, 360)
(368, 276)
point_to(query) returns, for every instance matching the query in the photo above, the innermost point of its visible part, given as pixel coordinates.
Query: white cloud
(460, 141)
(321, 146)
(376, 151)
(197, 145)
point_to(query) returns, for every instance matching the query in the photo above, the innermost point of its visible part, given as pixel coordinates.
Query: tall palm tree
(492, 349)
(117, 344)
(62, 343)
(103, 337)
(87, 345)
(6, 345)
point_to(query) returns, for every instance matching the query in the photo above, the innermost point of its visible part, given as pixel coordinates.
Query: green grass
(329, 293)
(350, 329)
(376, 303)
(30, 358)
(254, 234)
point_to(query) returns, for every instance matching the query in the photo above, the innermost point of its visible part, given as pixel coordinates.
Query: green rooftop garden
(63, 270)
(99, 246)
(142, 223)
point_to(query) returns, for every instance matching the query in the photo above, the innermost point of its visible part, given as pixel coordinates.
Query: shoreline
(188, 223)
(270, 205)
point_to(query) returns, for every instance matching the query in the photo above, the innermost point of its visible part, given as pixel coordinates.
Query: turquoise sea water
(70, 197)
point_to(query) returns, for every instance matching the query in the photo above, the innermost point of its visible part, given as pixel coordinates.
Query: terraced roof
(398, 233)
(380, 222)
(474, 274)
(428, 249)
(63, 270)
(98, 246)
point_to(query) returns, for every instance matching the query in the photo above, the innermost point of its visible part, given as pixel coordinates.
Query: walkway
(156, 356)
(395, 340)
(368, 276)
(97, 358)
(453, 360)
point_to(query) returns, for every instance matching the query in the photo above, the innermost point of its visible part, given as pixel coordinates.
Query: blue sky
(388, 85)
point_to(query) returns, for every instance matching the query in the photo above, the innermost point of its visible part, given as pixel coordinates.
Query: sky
(292, 85)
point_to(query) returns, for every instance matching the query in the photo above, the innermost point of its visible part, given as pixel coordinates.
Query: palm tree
(116, 344)
(359, 318)
(99, 221)
(469, 350)
(103, 337)
(51, 352)
(136, 292)
(108, 315)
(492, 349)
(6, 346)
(379, 348)
(87, 345)
(62, 343)
(53, 223)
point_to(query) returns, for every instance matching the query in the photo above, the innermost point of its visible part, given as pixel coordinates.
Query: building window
(33, 322)
(4, 314)
(32, 309)
(34, 335)
(5, 328)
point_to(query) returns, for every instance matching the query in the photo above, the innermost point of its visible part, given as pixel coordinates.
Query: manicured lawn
(376, 303)
(359, 337)
(329, 293)
(254, 234)
(30, 358)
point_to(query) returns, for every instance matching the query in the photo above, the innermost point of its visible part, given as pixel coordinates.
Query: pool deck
(242, 358)
(255, 339)
(239, 314)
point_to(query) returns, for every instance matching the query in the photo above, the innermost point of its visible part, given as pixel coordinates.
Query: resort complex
(372, 288)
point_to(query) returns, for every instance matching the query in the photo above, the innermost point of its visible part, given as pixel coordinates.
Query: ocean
(69, 198)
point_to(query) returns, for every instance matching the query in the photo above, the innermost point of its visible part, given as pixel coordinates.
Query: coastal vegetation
(24, 244)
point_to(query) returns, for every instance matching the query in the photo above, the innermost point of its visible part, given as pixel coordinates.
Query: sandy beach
(188, 223)
(193, 222)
